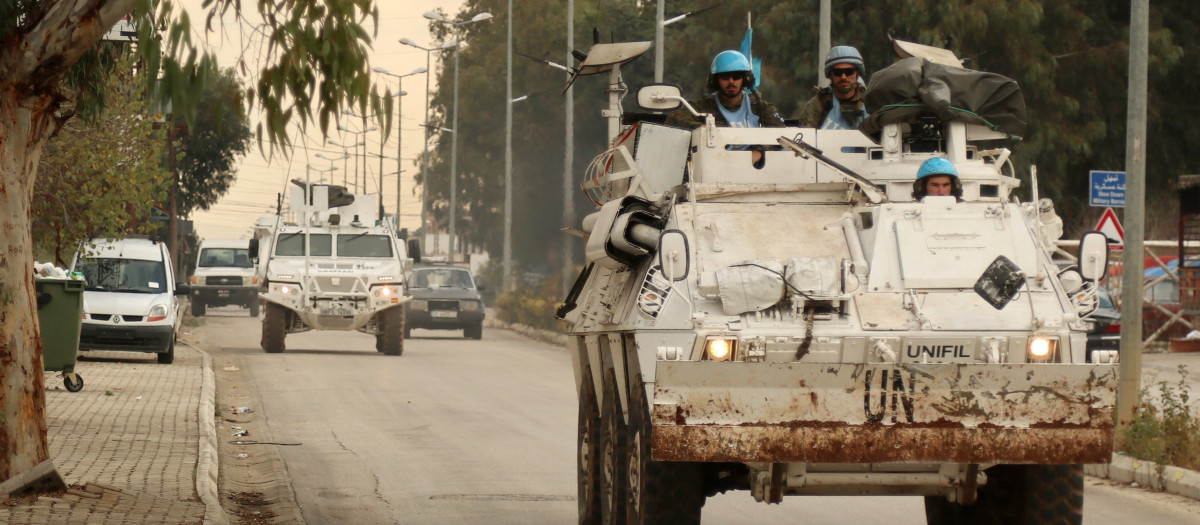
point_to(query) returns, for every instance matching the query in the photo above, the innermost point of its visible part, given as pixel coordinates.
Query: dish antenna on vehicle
(604, 57)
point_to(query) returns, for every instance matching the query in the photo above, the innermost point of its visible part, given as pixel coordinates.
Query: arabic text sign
(1106, 189)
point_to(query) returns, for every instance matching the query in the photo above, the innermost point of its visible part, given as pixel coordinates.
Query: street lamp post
(437, 17)
(364, 145)
(346, 155)
(328, 170)
(506, 282)
(425, 151)
(399, 116)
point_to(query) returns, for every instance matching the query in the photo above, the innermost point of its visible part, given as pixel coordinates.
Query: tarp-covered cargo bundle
(913, 86)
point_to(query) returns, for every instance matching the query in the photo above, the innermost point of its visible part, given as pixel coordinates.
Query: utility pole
(506, 281)
(1135, 214)
(569, 157)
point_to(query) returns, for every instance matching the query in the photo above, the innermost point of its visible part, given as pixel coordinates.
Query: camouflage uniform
(814, 112)
(768, 116)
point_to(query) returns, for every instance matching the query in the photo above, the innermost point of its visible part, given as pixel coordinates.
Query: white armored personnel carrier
(333, 269)
(808, 327)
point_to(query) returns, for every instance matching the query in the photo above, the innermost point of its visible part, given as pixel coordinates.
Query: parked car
(445, 297)
(1104, 324)
(130, 302)
(224, 276)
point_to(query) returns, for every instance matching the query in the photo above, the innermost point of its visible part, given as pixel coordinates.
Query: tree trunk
(24, 122)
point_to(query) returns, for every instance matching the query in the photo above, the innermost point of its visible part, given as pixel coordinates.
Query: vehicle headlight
(720, 348)
(1042, 349)
(158, 312)
(418, 304)
(468, 305)
(286, 288)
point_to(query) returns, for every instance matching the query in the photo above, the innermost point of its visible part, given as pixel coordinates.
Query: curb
(1123, 469)
(207, 461)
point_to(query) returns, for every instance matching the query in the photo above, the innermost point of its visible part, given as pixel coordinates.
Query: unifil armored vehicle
(806, 325)
(333, 268)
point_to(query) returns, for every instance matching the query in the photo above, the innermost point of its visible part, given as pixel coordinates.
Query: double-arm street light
(363, 144)
(345, 155)
(328, 170)
(399, 124)
(425, 152)
(437, 17)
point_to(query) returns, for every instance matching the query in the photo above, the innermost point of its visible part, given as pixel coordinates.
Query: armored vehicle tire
(659, 491)
(254, 305)
(613, 451)
(197, 308)
(474, 331)
(390, 340)
(1018, 494)
(168, 357)
(588, 452)
(274, 328)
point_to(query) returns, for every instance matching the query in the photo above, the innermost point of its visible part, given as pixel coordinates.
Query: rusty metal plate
(976, 413)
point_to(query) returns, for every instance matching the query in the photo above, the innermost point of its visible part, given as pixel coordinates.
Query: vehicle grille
(344, 285)
(443, 305)
(223, 280)
(108, 317)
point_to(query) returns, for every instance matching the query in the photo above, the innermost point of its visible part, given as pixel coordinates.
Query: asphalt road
(462, 431)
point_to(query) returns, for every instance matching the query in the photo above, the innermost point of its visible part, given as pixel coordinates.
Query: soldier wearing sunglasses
(839, 106)
(732, 100)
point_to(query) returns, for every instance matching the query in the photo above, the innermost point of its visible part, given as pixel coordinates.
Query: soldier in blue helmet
(841, 105)
(936, 177)
(732, 100)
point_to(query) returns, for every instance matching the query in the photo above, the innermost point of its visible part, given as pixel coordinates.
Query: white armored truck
(805, 326)
(333, 269)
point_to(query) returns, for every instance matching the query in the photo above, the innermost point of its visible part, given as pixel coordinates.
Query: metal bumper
(844, 413)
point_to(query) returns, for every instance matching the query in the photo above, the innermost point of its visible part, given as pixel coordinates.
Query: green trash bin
(60, 312)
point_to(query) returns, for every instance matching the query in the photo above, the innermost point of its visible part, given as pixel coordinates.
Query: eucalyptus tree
(314, 63)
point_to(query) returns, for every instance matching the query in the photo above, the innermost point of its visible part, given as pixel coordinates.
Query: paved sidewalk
(134, 445)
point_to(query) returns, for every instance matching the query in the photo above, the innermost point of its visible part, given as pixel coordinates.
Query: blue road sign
(1106, 189)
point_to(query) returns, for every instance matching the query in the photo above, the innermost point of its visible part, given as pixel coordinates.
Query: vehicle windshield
(293, 244)
(364, 246)
(224, 257)
(1106, 300)
(442, 278)
(123, 275)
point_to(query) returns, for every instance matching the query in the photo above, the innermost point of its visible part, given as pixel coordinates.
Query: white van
(224, 276)
(130, 301)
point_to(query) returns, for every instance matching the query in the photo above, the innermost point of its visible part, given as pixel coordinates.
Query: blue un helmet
(844, 55)
(936, 166)
(730, 61)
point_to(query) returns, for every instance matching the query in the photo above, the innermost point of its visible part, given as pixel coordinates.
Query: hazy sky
(260, 179)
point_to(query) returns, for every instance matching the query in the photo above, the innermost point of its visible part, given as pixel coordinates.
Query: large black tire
(168, 357)
(1018, 495)
(474, 331)
(588, 452)
(274, 328)
(614, 448)
(254, 305)
(390, 340)
(197, 307)
(659, 491)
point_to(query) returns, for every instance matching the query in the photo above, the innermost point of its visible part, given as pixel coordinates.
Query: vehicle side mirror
(660, 97)
(1093, 256)
(253, 248)
(414, 249)
(481, 287)
(673, 255)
